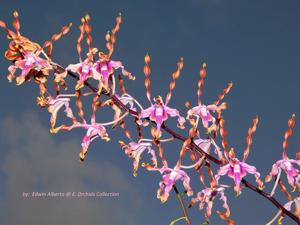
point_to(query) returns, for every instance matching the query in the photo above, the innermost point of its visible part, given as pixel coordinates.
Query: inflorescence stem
(193, 147)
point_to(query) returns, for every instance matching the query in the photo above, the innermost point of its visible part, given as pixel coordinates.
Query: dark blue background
(255, 44)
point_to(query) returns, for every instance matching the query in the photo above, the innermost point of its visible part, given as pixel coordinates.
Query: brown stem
(194, 147)
(182, 206)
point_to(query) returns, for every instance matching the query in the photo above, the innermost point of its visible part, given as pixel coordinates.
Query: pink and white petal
(172, 112)
(147, 112)
(225, 205)
(186, 184)
(208, 210)
(153, 156)
(223, 171)
(212, 107)
(74, 67)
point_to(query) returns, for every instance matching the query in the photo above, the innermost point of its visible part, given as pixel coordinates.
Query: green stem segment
(179, 197)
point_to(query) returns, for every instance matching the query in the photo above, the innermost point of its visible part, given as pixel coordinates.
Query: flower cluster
(35, 61)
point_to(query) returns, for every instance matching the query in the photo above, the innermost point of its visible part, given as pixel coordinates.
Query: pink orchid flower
(168, 180)
(127, 99)
(205, 145)
(287, 206)
(285, 163)
(159, 113)
(54, 105)
(135, 150)
(29, 62)
(93, 131)
(204, 112)
(236, 170)
(207, 197)
(106, 67)
(85, 70)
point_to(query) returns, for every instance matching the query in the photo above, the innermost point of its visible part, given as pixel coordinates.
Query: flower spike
(223, 133)
(147, 71)
(175, 76)
(89, 39)
(111, 39)
(249, 138)
(80, 38)
(16, 23)
(222, 95)
(55, 37)
(201, 82)
(288, 134)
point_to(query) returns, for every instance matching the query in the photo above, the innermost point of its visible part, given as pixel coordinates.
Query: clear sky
(254, 44)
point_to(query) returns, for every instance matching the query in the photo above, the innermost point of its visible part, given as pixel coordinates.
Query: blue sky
(254, 44)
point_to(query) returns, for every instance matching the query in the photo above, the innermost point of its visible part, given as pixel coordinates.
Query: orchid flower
(54, 105)
(19, 45)
(234, 168)
(285, 163)
(204, 111)
(93, 131)
(127, 99)
(168, 180)
(106, 67)
(27, 64)
(205, 145)
(159, 112)
(287, 206)
(135, 150)
(207, 197)
(85, 70)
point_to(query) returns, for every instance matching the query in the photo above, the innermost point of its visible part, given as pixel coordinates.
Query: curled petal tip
(20, 80)
(81, 159)
(163, 200)
(87, 17)
(54, 130)
(147, 58)
(15, 13)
